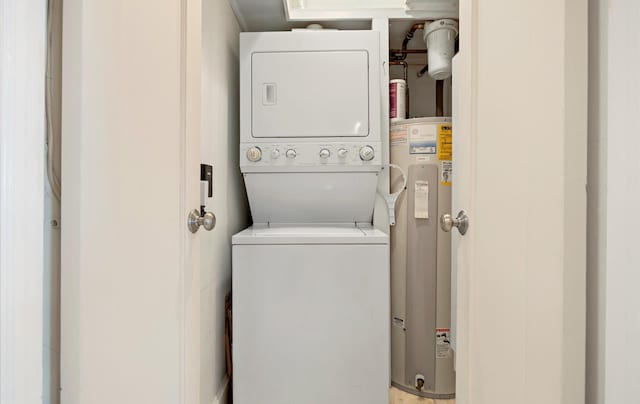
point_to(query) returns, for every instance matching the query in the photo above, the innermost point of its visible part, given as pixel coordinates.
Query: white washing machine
(311, 276)
(310, 315)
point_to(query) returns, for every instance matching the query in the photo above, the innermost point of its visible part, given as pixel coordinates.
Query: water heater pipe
(439, 97)
(409, 36)
(395, 52)
(405, 66)
(401, 54)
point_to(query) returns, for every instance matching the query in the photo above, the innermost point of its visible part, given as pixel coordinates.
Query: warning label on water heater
(443, 343)
(398, 136)
(423, 139)
(445, 142)
(446, 173)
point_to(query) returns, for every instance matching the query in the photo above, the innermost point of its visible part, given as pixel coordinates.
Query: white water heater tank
(421, 355)
(440, 37)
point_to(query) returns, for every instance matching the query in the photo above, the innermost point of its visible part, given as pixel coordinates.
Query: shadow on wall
(220, 141)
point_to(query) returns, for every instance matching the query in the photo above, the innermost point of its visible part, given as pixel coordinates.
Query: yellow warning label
(445, 143)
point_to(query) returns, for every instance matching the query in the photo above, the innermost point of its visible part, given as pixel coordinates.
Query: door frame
(22, 159)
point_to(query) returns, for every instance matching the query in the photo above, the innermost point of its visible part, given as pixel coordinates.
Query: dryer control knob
(367, 153)
(254, 154)
(342, 153)
(275, 153)
(325, 153)
(291, 154)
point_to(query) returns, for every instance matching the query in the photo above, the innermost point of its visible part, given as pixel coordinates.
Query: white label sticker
(423, 139)
(421, 200)
(446, 173)
(398, 136)
(443, 343)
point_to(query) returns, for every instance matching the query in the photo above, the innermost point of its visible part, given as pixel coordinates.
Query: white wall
(219, 145)
(22, 68)
(613, 356)
(622, 300)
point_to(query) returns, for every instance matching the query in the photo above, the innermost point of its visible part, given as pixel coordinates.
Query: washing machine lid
(291, 235)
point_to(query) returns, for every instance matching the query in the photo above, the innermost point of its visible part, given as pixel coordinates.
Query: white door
(520, 173)
(130, 271)
(22, 252)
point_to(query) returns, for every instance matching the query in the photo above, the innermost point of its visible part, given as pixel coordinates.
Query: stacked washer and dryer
(311, 276)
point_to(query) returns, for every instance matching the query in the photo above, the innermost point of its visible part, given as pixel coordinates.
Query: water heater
(421, 355)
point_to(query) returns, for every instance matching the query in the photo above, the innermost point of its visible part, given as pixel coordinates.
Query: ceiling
(269, 15)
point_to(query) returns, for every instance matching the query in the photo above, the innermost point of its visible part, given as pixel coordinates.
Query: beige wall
(219, 145)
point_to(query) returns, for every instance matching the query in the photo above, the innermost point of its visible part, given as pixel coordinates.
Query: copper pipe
(423, 71)
(406, 51)
(405, 66)
(410, 33)
(398, 54)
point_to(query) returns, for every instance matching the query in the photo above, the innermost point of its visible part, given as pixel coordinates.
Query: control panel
(309, 154)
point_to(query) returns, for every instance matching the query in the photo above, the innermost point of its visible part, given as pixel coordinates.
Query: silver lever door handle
(447, 222)
(194, 221)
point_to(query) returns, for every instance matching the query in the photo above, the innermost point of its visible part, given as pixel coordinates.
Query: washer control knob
(342, 153)
(291, 154)
(325, 153)
(275, 153)
(254, 154)
(367, 153)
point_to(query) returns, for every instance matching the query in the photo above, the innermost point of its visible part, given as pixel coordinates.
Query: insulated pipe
(439, 97)
(405, 76)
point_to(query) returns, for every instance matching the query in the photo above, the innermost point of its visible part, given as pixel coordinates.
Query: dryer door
(310, 94)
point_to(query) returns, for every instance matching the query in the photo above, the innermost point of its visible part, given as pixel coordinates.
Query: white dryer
(310, 146)
(310, 316)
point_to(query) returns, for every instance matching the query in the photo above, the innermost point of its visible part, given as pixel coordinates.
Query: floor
(400, 397)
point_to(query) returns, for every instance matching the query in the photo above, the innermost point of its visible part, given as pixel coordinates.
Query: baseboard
(221, 394)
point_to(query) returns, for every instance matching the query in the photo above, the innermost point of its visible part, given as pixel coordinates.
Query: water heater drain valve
(392, 198)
